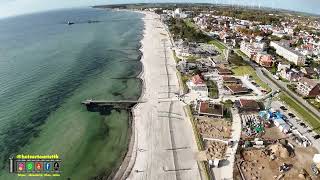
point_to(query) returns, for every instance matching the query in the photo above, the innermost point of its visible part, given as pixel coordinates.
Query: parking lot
(297, 124)
(251, 85)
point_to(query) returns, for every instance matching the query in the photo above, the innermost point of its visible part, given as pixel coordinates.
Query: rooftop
(308, 82)
(230, 79)
(248, 104)
(197, 79)
(224, 71)
(208, 108)
(237, 89)
(284, 44)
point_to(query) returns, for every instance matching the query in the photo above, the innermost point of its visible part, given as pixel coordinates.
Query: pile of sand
(279, 150)
(216, 150)
(214, 129)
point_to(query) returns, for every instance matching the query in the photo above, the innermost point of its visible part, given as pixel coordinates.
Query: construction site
(271, 147)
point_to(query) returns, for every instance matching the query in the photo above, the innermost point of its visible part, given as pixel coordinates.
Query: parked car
(283, 108)
(291, 115)
(316, 136)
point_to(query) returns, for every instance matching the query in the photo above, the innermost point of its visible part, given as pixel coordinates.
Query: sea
(47, 68)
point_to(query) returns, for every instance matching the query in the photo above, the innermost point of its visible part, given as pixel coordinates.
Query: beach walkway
(165, 147)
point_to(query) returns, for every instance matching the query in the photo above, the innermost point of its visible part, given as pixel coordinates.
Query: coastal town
(160, 90)
(249, 87)
(243, 72)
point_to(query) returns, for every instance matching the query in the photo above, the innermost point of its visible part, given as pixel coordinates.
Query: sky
(18, 7)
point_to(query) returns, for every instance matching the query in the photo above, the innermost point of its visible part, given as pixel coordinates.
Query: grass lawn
(183, 80)
(213, 89)
(190, 23)
(248, 70)
(313, 121)
(218, 44)
(240, 53)
(192, 58)
(314, 103)
(175, 57)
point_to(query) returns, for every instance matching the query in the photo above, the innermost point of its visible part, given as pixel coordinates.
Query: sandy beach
(164, 146)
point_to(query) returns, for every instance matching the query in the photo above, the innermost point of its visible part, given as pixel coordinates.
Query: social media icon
(21, 166)
(47, 166)
(38, 166)
(30, 166)
(56, 166)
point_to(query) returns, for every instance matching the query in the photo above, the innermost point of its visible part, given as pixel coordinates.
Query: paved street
(296, 123)
(302, 101)
(262, 72)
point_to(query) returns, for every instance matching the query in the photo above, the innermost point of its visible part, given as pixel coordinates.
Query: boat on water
(70, 23)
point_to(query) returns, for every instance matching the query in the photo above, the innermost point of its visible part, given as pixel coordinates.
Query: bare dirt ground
(215, 149)
(257, 165)
(214, 128)
(273, 133)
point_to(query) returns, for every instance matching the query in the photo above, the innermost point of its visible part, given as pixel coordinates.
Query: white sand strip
(164, 146)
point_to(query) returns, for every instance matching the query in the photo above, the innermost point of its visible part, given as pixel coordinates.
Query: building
(309, 72)
(247, 105)
(282, 67)
(293, 75)
(197, 85)
(221, 71)
(230, 79)
(264, 59)
(237, 89)
(185, 67)
(210, 109)
(251, 49)
(283, 49)
(308, 87)
(179, 14)
(282, 125)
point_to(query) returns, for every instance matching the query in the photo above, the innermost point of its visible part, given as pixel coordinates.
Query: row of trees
(180, 30)
(251, 15)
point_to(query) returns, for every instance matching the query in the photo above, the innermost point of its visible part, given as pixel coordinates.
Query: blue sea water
(48, 67)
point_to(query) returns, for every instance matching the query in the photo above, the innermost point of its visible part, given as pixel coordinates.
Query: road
(298, 98)
(296, 123)
(275, 84)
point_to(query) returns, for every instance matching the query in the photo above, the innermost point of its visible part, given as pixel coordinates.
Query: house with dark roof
(308, 87)
(237, 89)
(230, 79)
(221, 71)
(247, 105)
(210, 109)
(308, 72)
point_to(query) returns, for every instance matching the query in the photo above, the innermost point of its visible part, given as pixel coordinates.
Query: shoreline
(123, 171)
(154, 134)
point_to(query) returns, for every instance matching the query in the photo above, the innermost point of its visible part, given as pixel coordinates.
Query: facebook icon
(47, 166)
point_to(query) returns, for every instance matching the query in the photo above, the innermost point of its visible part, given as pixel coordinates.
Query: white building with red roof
(198, 85)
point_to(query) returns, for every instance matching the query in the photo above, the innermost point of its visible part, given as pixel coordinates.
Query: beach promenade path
(165, 147)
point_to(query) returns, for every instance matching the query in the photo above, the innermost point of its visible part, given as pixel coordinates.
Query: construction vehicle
(266, 112)
(315, 166)
(314, 169)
